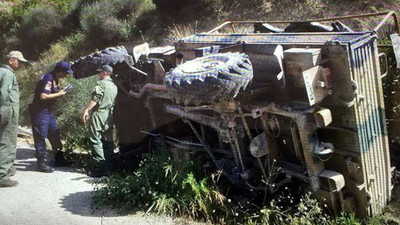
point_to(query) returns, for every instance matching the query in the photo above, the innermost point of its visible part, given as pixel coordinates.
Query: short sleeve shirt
(47, 85)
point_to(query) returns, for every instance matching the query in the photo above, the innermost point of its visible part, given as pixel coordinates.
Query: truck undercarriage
(266, 105)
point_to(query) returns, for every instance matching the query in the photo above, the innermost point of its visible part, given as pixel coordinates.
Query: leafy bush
(40, 28)
(110, 22)
(71, 20)
(162, 185)
(308, 211)
(170, 6)
(184, 189)
(176, 7)
(12, 19)
(93, 18)
(69, 110)
(346, 219)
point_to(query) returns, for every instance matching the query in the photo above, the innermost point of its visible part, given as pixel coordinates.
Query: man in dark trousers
(44, 124)
(9, 112)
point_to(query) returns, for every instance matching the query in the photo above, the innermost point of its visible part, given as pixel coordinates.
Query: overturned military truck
(267, 106)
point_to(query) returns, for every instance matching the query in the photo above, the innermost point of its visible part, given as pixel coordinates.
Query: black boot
(8, 183)
(42, 165)
(97, 173)
(60, 161)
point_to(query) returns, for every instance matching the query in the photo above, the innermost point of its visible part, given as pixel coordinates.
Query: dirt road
(62, 197)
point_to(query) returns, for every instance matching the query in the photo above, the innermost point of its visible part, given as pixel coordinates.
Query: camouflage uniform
(101, 123)
(9, 112)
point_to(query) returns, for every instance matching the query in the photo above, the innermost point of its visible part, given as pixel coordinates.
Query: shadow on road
(25, 153)
(86, 179)
(69, 169)
(26, 161)
(25, 165)
(79, 203)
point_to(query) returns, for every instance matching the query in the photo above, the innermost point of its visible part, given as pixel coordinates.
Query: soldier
(44, 123)
(101, 122)
(9, 112)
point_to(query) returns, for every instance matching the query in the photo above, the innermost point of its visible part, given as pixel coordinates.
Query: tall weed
(184, 189)
(161, 185)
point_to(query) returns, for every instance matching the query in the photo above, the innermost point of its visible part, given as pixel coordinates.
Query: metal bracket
(384, 58)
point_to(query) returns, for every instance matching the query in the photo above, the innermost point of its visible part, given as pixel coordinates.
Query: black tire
(215, 77)
(117, 57)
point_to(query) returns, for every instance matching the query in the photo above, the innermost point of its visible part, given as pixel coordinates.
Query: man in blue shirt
(44, 123)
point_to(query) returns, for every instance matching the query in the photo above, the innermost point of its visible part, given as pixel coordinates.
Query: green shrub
(110, 22)
(69, 111)
(184, 189)
(346, 219)
(308, 212)
(176, 7)
(12, 19)
(161, 185)
(40, 28)
(71, 20)
(170, 6)
(93, 19)
(384, 219)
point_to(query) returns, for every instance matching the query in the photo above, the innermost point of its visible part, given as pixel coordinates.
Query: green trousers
(101, 139)
(8, 138)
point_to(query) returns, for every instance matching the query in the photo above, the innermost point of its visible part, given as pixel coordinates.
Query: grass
(184, 189)
(160, 185)
(176, 32)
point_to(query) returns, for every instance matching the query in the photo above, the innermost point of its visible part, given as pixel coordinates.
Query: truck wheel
(117, 57)
(211, 78)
